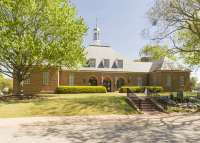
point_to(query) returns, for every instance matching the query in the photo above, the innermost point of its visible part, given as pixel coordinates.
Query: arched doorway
(120, 82)
(107, 84)
(92, 81)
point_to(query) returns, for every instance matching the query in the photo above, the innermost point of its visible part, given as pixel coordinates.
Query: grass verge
(67, 105)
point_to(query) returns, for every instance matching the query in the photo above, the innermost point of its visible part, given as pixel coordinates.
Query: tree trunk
(20, 90)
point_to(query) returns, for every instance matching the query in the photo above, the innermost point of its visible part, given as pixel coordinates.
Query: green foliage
(40, 32)
(156, 52)
(1, 75)
(190, 106)
(171, 96)
(178, 99)
(81, 89)
(193, 82)
(6, 82)
(190, 46)
(137, 89)
(177, 21)
(184, 106)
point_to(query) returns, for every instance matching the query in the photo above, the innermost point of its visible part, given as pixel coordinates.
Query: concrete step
(146, 106)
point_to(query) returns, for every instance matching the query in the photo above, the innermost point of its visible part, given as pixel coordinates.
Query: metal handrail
(160, 101)
(152, 91)
(129, 91)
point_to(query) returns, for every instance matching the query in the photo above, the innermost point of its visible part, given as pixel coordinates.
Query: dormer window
(106, 63)
(92, 63)
(120, 64)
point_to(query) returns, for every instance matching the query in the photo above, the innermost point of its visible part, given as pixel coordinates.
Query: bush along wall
(81, 89)
(137, 89)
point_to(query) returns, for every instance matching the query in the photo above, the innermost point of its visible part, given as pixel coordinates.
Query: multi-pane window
(169, 80)
(26, 81)
(154, 81)
(95, 36)
(46, 78)
(120, 64)
(139, 81)
(92, 63)
(71, 80)
(106, 63)
(182, 80)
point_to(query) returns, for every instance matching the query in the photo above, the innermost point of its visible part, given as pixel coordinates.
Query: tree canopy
(177, 21)
(193, 82)
(156, 52)
(39, 33)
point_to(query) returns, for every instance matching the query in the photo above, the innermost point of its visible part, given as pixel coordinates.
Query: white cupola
(96, 35)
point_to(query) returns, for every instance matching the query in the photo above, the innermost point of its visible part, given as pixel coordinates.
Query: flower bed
(189, 102)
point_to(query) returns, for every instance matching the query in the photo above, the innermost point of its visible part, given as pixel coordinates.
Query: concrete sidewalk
(108, 128)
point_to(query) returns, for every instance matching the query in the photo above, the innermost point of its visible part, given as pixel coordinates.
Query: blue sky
(121, 23)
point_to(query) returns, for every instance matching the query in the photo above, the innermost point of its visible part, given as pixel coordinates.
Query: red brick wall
(162, 80)
(37, 86)
(36, 83)
(79, 78)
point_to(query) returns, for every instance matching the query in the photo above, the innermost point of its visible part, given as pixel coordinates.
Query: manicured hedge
(81, 89)
(137, 89)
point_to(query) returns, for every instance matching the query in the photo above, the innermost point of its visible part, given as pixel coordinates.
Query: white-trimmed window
(154, 81)
(139, 81)
(120, 64)
(46, 78)
(71, 79)
(92, 63)
(106, 63)
(169, 80)
(26, 81)
(182, 80)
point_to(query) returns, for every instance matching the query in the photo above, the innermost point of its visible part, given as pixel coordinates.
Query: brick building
(111, 69)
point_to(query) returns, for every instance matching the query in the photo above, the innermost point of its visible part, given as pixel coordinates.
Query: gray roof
(166, 64)
(104, 52)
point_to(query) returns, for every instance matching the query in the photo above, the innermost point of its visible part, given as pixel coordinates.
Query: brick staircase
(146, 106)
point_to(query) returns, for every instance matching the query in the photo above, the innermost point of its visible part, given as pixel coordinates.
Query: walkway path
(109, 128)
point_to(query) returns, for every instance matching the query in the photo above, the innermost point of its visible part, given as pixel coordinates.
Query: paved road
(110, 128)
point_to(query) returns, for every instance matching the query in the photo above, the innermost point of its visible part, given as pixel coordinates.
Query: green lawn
(191, 94)
(67, 105)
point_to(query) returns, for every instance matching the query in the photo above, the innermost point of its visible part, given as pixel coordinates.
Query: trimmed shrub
(81, 89)
(184, 106)
(137, 89)
(171, 96)
(190, 106)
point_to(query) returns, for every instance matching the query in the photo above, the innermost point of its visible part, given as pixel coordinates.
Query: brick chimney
(145, 59)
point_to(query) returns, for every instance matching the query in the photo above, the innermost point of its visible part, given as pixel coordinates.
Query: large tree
(39, 34)
(156, 52)
(177, 21)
